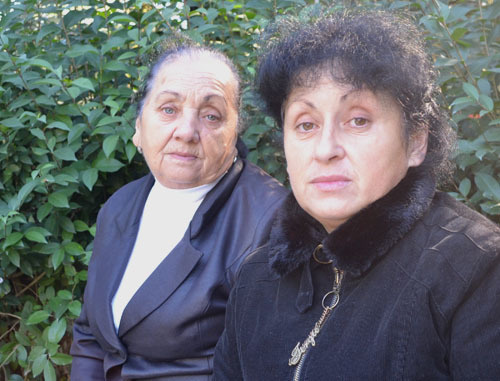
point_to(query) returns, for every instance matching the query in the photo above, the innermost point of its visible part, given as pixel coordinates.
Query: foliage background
(68, 72)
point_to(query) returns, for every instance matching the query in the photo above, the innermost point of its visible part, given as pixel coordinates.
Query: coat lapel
(167, 277)
(117, 246)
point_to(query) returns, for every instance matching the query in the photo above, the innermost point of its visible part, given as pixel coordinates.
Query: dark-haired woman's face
(188, 125)
(344, 149)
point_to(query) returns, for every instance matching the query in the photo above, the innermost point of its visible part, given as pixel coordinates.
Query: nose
(186, 128)
(328, 145)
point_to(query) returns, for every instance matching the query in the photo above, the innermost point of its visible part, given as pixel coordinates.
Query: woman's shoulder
(128, 194)
(255, 179)
(455, 246)
(457, 219)
(256, 268)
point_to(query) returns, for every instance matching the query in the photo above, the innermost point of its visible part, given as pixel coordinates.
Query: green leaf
(12, 123)
(74, 91)
(59, 200)
(115, 66)
(471, 91)
(89, 177)
(464, 187)
(123, 18)
(65, 153)
(37, 234)
(12, 239)
(43, 211)
(48, 81)
(14, 257)
(65, 295)
(66, 224)
(49, 373)
(127, 55)
(84, 83)
(492, 135)
(79, 50)
(37, 133)
(57, 258)
(59, 125)
(81, 226)
(458, 33)
(26, 189)
(108, 165)
(46, 30)
(41, 63)
(488, 185)
(73, 248)
(39, 364)
(75, 307)
(22, 353)
(109, 144)
(37, 317)
(57, 330)
(444, 10)
(61, 359)
(130, 150)
(486, 102)
(22, 339)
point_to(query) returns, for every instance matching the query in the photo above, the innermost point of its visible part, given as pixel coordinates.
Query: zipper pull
(299, 349)
(296, 355)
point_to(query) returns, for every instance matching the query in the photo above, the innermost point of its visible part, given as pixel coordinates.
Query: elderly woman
(168, 245)
(369, 274)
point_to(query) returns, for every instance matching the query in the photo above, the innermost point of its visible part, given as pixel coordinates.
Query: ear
(418, 148)
(136, 139)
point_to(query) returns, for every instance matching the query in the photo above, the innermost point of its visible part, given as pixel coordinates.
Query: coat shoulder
(256, 268)
(475, 231)
(256, 181)
(127, 192)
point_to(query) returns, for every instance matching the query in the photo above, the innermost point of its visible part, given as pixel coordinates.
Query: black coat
(420, 297)
(171, 325)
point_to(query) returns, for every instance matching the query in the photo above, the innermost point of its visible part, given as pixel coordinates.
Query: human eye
(212, 118)
(305, 126)
(169, 110)
(358, 122)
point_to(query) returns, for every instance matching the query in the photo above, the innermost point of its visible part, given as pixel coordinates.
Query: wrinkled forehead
(200, 71)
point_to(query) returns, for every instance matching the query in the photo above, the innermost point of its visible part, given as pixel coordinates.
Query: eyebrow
(168, 92)
(207, 98)
(344, 97)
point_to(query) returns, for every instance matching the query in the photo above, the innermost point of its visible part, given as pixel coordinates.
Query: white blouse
(165, 218)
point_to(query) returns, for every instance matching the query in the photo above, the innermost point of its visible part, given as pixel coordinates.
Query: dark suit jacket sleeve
(86, 351)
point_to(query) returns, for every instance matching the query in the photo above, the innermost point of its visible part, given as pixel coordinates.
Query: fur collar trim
(355, 245)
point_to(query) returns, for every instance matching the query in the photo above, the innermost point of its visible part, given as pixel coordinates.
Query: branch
(34, 281)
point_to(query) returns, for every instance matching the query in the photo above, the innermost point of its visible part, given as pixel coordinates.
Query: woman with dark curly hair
(370, 273)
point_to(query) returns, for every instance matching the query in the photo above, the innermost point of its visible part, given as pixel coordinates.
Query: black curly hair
(374, 50)
(172, 48)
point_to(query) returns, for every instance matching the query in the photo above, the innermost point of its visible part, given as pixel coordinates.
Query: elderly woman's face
(188, 126)
(344, 149)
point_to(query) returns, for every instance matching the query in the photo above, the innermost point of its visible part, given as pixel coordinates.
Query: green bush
(68, 74)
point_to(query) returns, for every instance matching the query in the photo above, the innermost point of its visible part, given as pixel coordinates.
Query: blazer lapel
(167, 277)
(118, 245)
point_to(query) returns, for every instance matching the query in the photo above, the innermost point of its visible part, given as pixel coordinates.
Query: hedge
(68, 74)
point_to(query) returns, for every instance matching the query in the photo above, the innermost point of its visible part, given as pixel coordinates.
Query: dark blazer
(419, 300)
(171, 325)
